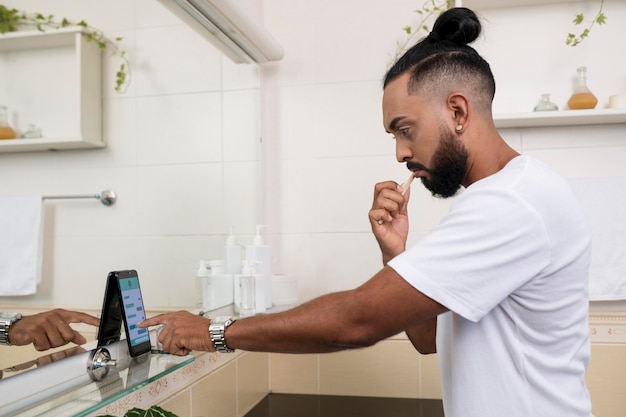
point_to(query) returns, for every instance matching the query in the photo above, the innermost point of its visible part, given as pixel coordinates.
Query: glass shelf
(75, 393)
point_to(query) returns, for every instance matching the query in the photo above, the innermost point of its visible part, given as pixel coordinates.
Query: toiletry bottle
(582, 98)
(245, 283)
(232, 255)
(220, 287)
(201, 285)
(6, 131)
(260, 255)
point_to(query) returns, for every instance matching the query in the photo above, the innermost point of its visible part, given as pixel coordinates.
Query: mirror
(183, 155)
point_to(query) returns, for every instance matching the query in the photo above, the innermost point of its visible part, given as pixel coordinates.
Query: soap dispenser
(249, 291)
(259, 254)
(232, 254)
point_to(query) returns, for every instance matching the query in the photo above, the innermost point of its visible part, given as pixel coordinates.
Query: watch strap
(217, 329)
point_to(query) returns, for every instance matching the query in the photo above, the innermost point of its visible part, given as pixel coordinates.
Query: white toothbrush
(407, 183)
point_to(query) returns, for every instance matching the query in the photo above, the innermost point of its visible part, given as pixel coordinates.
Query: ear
(458, 106)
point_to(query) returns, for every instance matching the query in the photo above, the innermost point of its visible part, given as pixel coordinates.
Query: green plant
(429, 9)
(11, 20)
(600, 19)
(154, 411)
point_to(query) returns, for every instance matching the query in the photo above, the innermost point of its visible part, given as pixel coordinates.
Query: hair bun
(459, 25)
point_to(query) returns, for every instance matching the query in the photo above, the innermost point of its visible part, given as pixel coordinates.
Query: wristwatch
(7, 318)
(216, 331)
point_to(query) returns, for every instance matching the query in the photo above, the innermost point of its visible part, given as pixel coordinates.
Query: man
(45, 330)
(497, 289)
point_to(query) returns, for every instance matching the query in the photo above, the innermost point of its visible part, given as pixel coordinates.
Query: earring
(459, 128)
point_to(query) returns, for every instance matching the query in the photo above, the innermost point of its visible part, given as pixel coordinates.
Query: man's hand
(49, 329)
(388, 218)
(182, 332)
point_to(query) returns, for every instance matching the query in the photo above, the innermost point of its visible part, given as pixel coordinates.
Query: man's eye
(403, 132)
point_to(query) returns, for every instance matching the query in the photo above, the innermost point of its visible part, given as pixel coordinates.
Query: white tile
(241, 197)
(240, 76)
(241, 125)
(175, 59)
(179, 128)
(179, 199)
(154, 13)
(348, 120)
(292, 24)
(359, 257)
(172, 283)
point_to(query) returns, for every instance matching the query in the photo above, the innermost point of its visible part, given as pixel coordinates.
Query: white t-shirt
(510, 261)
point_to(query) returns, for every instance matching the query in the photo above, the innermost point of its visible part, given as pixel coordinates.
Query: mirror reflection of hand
(50, 329)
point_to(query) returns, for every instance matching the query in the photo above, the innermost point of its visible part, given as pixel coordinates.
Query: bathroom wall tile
(359, 257)
(294, 374)
(347, 184)
(584, 162)
(573, 137)
(348, 121)
(152, 13)
(292, 25)
(180, 404)
(216, 394)
(288, 118)
(240, 76)
(606, 379)
(76, 274)
(240, 198)
(177, 199)
(295, 254)
(241, 125)
(175, 59)
(388, 369)
(343, 53)
(179, 128)
(253, 380)
(172, 283)
(430, 380)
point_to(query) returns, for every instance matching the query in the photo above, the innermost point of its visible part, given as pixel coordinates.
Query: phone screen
(132, 306)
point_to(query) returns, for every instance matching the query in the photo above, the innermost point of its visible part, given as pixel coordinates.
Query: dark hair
(445, 55)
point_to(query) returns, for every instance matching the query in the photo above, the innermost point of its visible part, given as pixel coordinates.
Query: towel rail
(107, 197)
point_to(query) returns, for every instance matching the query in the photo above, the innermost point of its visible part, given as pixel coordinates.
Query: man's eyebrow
(394, 123)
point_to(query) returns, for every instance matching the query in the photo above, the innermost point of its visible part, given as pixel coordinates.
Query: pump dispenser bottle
(232, 255)
(259, 254)
(200, 287)
(249, 291)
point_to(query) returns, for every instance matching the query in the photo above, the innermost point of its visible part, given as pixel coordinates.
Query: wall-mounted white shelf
(560, 118)
(53, 80)
(501, 4)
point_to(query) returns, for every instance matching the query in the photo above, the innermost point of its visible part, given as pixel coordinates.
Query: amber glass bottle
(582, 98)
(6, 132)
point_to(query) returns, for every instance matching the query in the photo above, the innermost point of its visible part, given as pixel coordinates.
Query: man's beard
(449, 166)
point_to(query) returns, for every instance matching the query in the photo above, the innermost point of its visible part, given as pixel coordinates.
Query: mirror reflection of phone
(129, 307)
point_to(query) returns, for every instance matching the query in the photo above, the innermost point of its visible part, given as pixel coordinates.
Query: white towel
(604, 202)
(21, 244)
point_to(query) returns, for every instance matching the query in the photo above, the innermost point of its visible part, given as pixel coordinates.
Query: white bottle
(219, 288)
(246, 283)
(260, 255)
(232, 255)
(200, 287)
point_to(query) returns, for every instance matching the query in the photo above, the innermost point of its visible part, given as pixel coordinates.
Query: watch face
(9, 315)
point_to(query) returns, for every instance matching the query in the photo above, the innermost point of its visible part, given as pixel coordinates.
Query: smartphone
(126, 303)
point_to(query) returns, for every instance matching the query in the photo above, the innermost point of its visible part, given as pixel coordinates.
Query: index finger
(152, 321)
(78, 317)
